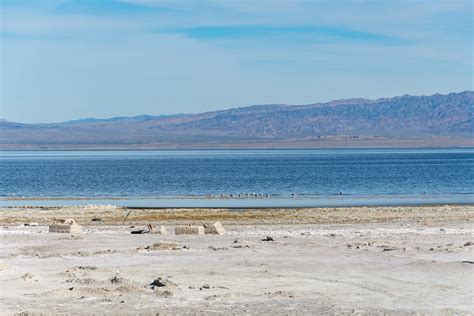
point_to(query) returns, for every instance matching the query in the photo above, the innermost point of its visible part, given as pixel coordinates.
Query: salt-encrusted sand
(395, 260)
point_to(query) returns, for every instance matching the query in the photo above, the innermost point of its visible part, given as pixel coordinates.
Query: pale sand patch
(350, 260)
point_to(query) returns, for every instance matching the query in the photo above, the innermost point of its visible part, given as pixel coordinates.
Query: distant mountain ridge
(142, 117)
(438, 115)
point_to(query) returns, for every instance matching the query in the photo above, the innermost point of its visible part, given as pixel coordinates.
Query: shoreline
(274, 202)
(331, 142)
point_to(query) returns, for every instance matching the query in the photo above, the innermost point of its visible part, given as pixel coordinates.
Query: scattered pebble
(289, 294)
(218, 248)
(162, 246)
(241, 246)
(116, 280)
(27, 276)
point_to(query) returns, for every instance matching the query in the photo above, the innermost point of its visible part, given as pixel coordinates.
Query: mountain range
(437, 116)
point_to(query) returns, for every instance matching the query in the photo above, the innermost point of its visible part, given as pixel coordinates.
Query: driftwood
(139, 231)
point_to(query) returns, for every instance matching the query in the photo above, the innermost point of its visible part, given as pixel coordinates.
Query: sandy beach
(392, 260)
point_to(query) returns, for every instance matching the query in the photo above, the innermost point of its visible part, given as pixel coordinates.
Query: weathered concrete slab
(214, 229)
(68, 226)
(189, 230)
(157, 230)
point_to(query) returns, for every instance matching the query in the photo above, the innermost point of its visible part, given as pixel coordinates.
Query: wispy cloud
(105, 8)
(307, 32)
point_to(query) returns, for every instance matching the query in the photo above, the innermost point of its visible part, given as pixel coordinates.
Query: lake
(261, 177)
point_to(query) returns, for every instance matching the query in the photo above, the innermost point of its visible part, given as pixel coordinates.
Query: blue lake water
(364, 175)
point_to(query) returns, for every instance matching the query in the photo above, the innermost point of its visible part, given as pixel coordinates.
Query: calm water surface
(198, 173)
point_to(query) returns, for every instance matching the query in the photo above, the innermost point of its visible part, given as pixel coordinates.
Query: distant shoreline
(240, 204)
(381, 143)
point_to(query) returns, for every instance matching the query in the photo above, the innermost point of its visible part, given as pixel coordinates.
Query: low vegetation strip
(115, 216)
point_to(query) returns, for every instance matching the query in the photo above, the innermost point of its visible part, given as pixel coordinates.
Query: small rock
(31, 224)
(206, 286)
(289, 294)
(116, 280)
(268, 238)
(161, 282)
(218, 248)
(86, 268)
(241, 246)
(96, 219)
(469, 243)
(163, 246)
(27, 276)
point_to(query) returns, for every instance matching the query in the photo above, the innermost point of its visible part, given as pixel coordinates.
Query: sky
(68, 59)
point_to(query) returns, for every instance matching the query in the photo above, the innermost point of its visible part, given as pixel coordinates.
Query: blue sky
(68, 59)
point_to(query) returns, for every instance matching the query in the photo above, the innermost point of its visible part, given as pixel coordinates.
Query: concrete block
(68, 226)
(214, 229)
(154, 230)
(189, 230)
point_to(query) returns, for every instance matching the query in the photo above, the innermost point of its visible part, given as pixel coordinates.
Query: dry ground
(392, 260)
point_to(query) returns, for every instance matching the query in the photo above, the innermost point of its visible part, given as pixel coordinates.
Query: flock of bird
(249, 195)
(241, 195)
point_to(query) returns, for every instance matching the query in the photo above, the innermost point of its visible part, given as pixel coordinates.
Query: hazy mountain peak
(402, 116)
